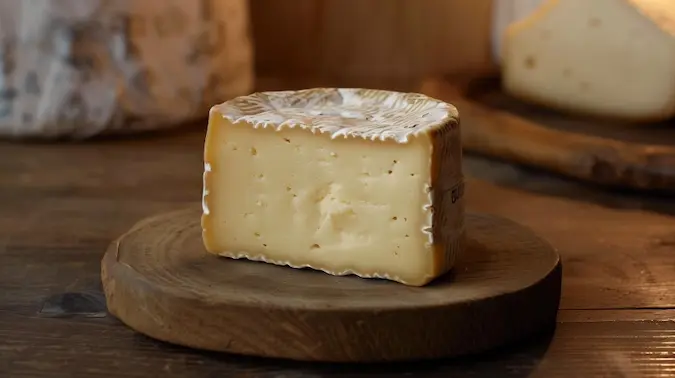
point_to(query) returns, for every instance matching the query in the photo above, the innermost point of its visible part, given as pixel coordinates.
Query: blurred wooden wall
(350, 40)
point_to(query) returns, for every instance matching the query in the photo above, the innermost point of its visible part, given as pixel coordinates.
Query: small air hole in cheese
(594, 22)
(254, 151)
(530, 62)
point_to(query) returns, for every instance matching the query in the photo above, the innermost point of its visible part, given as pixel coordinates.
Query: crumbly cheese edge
(338, 273)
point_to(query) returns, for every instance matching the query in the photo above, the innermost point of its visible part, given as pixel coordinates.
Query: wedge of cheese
(607, 58)
(347, 181)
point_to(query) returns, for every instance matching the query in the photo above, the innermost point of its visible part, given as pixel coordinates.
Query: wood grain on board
(62, 204)
(504, 288)
(598, 151)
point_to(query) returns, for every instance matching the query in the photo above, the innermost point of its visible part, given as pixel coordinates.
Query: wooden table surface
(61, 204)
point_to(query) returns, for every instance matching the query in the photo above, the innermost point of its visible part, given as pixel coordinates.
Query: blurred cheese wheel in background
(80, 68)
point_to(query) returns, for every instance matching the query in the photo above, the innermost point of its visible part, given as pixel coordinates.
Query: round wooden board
(606, 152)
(159, 280)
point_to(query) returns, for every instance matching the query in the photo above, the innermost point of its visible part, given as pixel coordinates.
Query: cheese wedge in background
(607, 58)
(347, 181)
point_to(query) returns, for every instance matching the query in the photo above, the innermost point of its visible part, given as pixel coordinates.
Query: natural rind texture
(365, 113)
(347, 181)
(77, 69)
(605, 58)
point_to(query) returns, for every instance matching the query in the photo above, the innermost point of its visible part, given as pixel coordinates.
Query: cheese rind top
(342, 112)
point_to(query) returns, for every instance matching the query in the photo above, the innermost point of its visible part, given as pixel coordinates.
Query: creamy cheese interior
(343, 205)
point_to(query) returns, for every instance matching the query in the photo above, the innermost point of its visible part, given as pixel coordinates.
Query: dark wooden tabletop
(61, 204)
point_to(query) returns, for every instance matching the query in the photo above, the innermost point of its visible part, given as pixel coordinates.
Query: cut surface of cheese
(347, 181)
(607, 58)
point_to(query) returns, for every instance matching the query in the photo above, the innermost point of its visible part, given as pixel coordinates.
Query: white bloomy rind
(344, 113)
(365, 113)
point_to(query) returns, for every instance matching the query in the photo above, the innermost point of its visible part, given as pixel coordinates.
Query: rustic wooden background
(62, 204)
(354, 40)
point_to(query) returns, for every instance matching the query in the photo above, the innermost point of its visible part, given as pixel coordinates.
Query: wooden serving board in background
(637, 156)
(159, 280)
